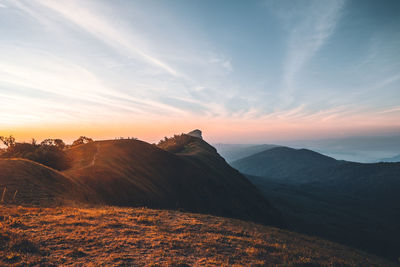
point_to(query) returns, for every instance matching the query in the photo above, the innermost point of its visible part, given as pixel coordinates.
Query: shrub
(174, 144)
(49, 152)
(82, 140)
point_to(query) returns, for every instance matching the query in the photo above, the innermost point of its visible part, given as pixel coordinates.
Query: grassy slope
(135, 173)
(36, 184)
(145, 237)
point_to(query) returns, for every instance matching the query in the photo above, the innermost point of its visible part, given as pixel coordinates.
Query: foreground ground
(143, 237)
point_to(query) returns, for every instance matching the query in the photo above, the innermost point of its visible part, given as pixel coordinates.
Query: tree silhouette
(58, 143)
(82, 140)
(49, 152)
(8, 141)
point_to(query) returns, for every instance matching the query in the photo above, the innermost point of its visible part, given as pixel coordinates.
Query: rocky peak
(195, 133)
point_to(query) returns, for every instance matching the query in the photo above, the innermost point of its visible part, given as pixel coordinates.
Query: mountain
(284, 163)
(392, 159)
(356, 204)
(183, 173)
(379, 181)
(119, 236)
(232, 152)
(27, 182)
(367, 149)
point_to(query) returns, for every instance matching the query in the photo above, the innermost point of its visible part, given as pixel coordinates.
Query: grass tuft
(23, 245)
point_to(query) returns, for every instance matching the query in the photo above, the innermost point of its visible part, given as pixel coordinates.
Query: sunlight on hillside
(126, 236)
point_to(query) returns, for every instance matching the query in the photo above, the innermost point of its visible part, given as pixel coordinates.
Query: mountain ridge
(188, 176)
(284, 162)
(232, 152)
(353, 203)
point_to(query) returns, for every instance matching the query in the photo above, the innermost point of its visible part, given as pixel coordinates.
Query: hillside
(233, 152)
(353, 203)
(318, 210)
(143, 237)
(194, 178)
(30, 183)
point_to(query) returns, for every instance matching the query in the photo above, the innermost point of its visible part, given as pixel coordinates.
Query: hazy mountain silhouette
(232, 152)
(367, 149)
(354, 203)
(391, 159)
(288, 164)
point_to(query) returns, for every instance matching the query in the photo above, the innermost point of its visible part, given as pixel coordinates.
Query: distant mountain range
(357, 204)
(392, 159)
(232, 152)
(367, 149)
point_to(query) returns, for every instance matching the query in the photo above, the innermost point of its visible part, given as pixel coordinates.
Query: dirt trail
(95, 155)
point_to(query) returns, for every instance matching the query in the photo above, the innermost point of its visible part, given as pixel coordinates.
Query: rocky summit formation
(196, 133)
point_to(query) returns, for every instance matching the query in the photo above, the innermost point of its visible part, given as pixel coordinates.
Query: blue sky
(237, 69)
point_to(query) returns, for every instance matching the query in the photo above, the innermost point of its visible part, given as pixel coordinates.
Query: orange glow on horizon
(215, 130)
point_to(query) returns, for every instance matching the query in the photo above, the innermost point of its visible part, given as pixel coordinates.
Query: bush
(174, 144)
(82, 140)
(50, 153)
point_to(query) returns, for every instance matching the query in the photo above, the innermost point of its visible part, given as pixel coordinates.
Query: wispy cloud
(103, 29)
(91, 61)
(53, 82)
(308, 32)
(391, 110)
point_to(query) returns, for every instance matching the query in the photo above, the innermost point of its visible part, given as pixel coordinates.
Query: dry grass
(24, 182)
(143, 237)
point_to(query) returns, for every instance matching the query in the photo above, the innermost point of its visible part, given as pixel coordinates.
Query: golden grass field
(110, 236)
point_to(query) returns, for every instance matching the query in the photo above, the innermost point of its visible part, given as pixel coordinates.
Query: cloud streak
(73, 61)
(103, 29)
(58, 80)
(306, 37)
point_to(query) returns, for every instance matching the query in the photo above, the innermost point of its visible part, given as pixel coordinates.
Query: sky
(241, 71)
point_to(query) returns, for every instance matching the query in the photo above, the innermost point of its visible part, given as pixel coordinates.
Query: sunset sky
(242, 71)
